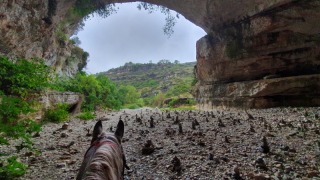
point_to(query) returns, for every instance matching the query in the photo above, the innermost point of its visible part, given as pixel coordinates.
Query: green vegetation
(84, 8)
(180, 108)
(170, 19)
(86, 115)
(156, 82)
(12, 168)
(176, 102)
(150, 84)
(20, 78)
(57, 114)
(17, 81)
(99, 92)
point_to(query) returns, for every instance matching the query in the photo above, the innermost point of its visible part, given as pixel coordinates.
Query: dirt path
(225, 144)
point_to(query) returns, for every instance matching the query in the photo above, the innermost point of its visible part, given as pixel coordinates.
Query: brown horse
(105, 158)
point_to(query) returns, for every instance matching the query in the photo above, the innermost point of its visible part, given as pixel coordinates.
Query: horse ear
(97, 130)
(120, 130)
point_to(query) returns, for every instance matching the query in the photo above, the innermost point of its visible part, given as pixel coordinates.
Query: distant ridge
(154, 78)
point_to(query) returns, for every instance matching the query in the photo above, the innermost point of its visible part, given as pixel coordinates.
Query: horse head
(105, 158)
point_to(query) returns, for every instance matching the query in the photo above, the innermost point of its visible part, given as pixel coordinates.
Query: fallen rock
(65, 126)
(148, 148)
(176, 165)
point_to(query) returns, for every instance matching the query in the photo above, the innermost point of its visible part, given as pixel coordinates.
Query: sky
(136, 36)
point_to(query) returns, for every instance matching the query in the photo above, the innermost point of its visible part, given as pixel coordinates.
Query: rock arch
(256, 54)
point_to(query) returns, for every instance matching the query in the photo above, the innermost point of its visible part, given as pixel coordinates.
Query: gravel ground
(278, 143)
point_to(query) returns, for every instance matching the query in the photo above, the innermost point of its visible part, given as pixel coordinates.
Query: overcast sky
(136, 36)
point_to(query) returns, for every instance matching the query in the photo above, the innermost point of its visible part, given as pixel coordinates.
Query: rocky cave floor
(277, 143)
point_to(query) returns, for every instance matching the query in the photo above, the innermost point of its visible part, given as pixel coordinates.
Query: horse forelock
(103, 160)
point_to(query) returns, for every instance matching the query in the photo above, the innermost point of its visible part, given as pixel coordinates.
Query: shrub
(99, 91)
(61, 37)
(85, 7)
(17, 80)
(11, 107)
(87, 115)
(23, 77)
(132, 106)
(174, 102)
(58, 114)
(12, 168)
(191, 102)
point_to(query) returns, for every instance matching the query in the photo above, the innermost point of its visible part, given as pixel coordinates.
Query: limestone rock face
(268, 58)
(29, 30)
(287, 91)
(49, 99)
(249, 44)
(52, 98)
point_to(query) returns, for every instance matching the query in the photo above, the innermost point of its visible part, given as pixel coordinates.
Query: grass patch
(58, 114)
(12, 168)
(87, 115)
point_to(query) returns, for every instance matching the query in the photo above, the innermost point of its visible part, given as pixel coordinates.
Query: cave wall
(265, 59)
(31, 29)
(258, 53)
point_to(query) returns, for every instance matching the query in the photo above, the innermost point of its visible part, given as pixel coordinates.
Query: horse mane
(104, 162)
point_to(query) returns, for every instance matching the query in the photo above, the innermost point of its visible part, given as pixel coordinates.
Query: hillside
(151, 79)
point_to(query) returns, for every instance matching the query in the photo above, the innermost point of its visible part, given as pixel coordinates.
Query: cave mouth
(133, 35)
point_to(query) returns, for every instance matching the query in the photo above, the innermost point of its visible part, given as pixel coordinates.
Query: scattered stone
(151, 122)
(285, 148)
(226, 139)
(210, 156)
(168, 115)
(290, 157)
(61, 165)
(37, 134)
(201, 143)
(148, 148)
(252, 129)
(265, 146)
(176, 165)
(176, 121)
(193, 125)
(312, 174)
(71, 162)
(261, 177)
(220, 123)
(88, 132)
(196, 123)
(236, 173)
(65, 126)
(260, 163)
(69, 145)
(180, 128)
(64, 135)
(170, 131)
(29, 153)
(250, 117)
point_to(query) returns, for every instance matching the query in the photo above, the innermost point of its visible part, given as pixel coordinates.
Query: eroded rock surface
(248, 40)
(268, 58)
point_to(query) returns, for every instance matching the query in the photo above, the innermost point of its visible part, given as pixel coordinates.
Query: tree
(75, 40)
(170, 19)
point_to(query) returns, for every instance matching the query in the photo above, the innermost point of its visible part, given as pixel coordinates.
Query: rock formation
(268, 57)
(257, 54)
